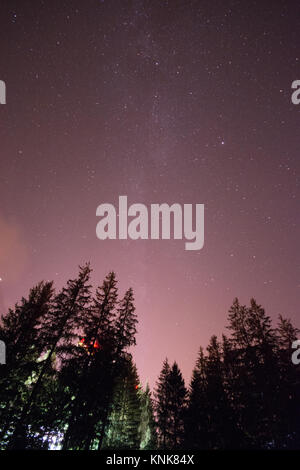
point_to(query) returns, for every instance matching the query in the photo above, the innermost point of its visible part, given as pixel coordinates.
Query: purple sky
(162, 101)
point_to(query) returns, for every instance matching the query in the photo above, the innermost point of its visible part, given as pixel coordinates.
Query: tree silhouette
(70, 381)
(170, 404)
(21, 330)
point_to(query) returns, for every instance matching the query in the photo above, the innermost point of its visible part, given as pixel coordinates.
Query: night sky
(162, 101)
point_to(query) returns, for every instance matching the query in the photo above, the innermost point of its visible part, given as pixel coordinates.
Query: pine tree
(254, 342)
(70, 378)
(170, 406)
(123, 428)
(196, 421)
(125, 324)
(124, 328)
(177, 407)
(93, 384)
(234, 438)
(102, 314)
(132, 409)
(111, 326)
(288, 389)
(162, 398)
(45, 411)
(21, 332)
(218, 408)
(147, 423)
(57, 334)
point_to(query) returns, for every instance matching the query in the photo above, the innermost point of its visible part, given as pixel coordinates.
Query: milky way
(182, 102)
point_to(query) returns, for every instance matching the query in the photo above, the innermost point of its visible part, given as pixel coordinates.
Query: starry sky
(163, 101)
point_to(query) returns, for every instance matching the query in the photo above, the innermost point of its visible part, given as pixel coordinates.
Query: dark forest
(70, 381)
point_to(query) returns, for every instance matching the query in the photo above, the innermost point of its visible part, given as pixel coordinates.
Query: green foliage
(21, 330)
(123, 422)
(147, 428)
